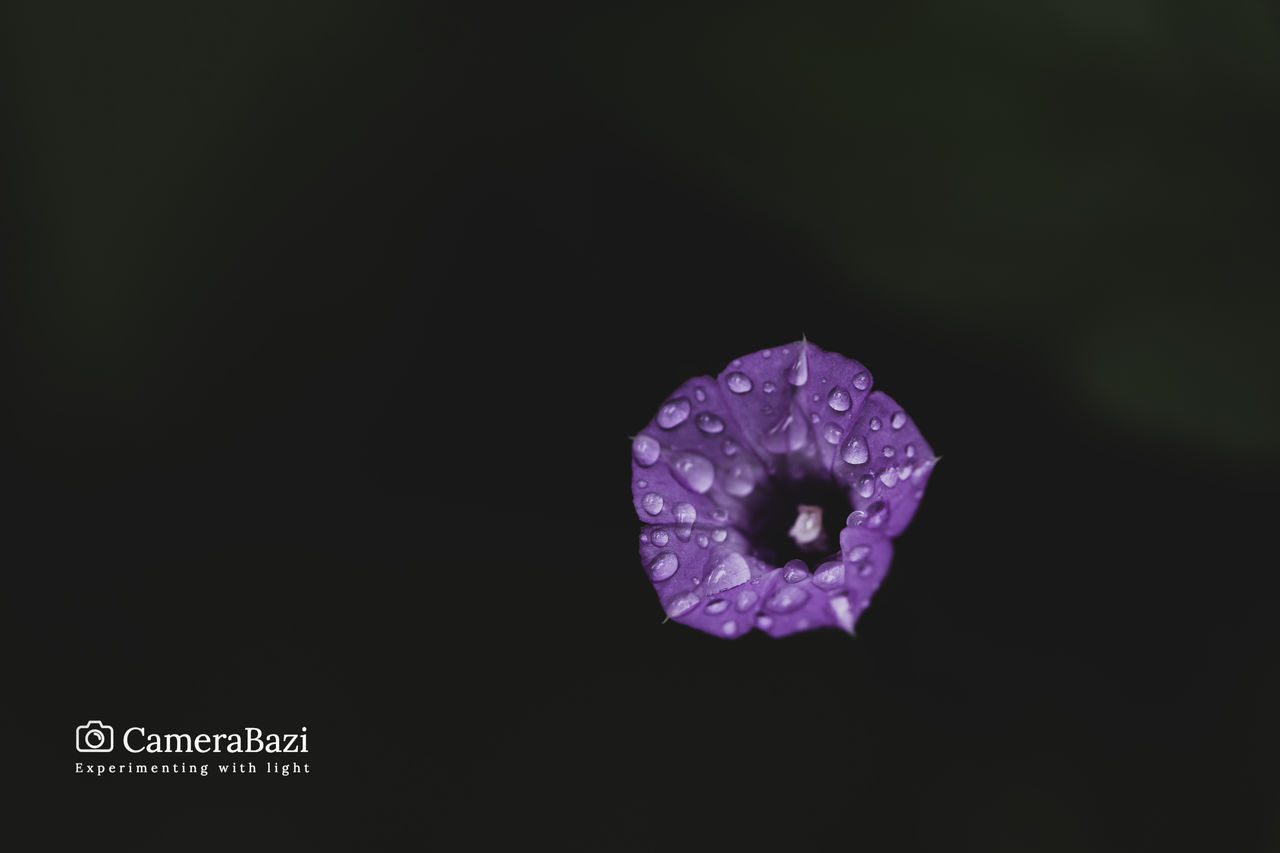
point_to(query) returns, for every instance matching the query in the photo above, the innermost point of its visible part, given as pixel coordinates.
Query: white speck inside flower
(808, 527)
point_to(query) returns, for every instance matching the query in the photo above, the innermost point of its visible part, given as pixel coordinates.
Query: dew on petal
(787, 599)
(646, 450)
(854, 451)
(874, 423)
(694, 471)
(746, 600)
(720, 605)
(663, 566)
(832, 433)
(682, 604)
(660, 538)
(652, 503)
(866, 485)
(739, 481)
(862, 381)
(674, 412)
(898, 421)
(739, 383)
(829, 575)
(729, 628)
(726, 572)
(768, 387)
(709, 423)
(839, 399)
(795, 571)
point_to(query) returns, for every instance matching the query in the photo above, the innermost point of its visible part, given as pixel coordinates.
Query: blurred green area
(1088, 185)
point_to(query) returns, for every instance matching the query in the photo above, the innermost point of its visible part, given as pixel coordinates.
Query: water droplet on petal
(814, 417)
(694, 471)
(875, 424)
(799, 373)
(866, 485)
(663, 566)
(739, 383)
(674, 412)
(829, 575)
(720, 605)
(702, 540)
(877, 515)
(685, 516)
(699, 395)
(832, 434)
(817, 397)
(888, 451)
(911, 451)
(660, 538)
(746, 599)
(719, 534)
(729, 447)
(730, 628)
(898, 421)
(726, 572)
(739, 482)
(866, 570)
(889, 476)
(768, 387)
(709, 423)
(858, 553)
(644, 537)
(787, 599)
(645, 450)
(839, 399)
(642, 484)
(854, 451)
(652, 503)
(719, 514)
(795, 571)
(682, 604)
(766, 353)
(862, 381)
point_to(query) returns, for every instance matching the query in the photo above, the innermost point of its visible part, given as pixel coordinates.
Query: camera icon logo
(93, 736)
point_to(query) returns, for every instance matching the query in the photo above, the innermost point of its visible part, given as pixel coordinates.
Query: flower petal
(696, 571)
(885, 463)
(692, 456)
(760, 392)
(832, 397)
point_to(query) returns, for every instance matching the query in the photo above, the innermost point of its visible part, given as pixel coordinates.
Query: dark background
(332, 320)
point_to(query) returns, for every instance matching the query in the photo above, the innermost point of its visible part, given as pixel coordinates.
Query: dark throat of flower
(801, 520)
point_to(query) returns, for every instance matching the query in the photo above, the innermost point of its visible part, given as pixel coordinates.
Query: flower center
(802, 520)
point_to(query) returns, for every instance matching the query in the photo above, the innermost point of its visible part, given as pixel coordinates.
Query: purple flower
(772, 492)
